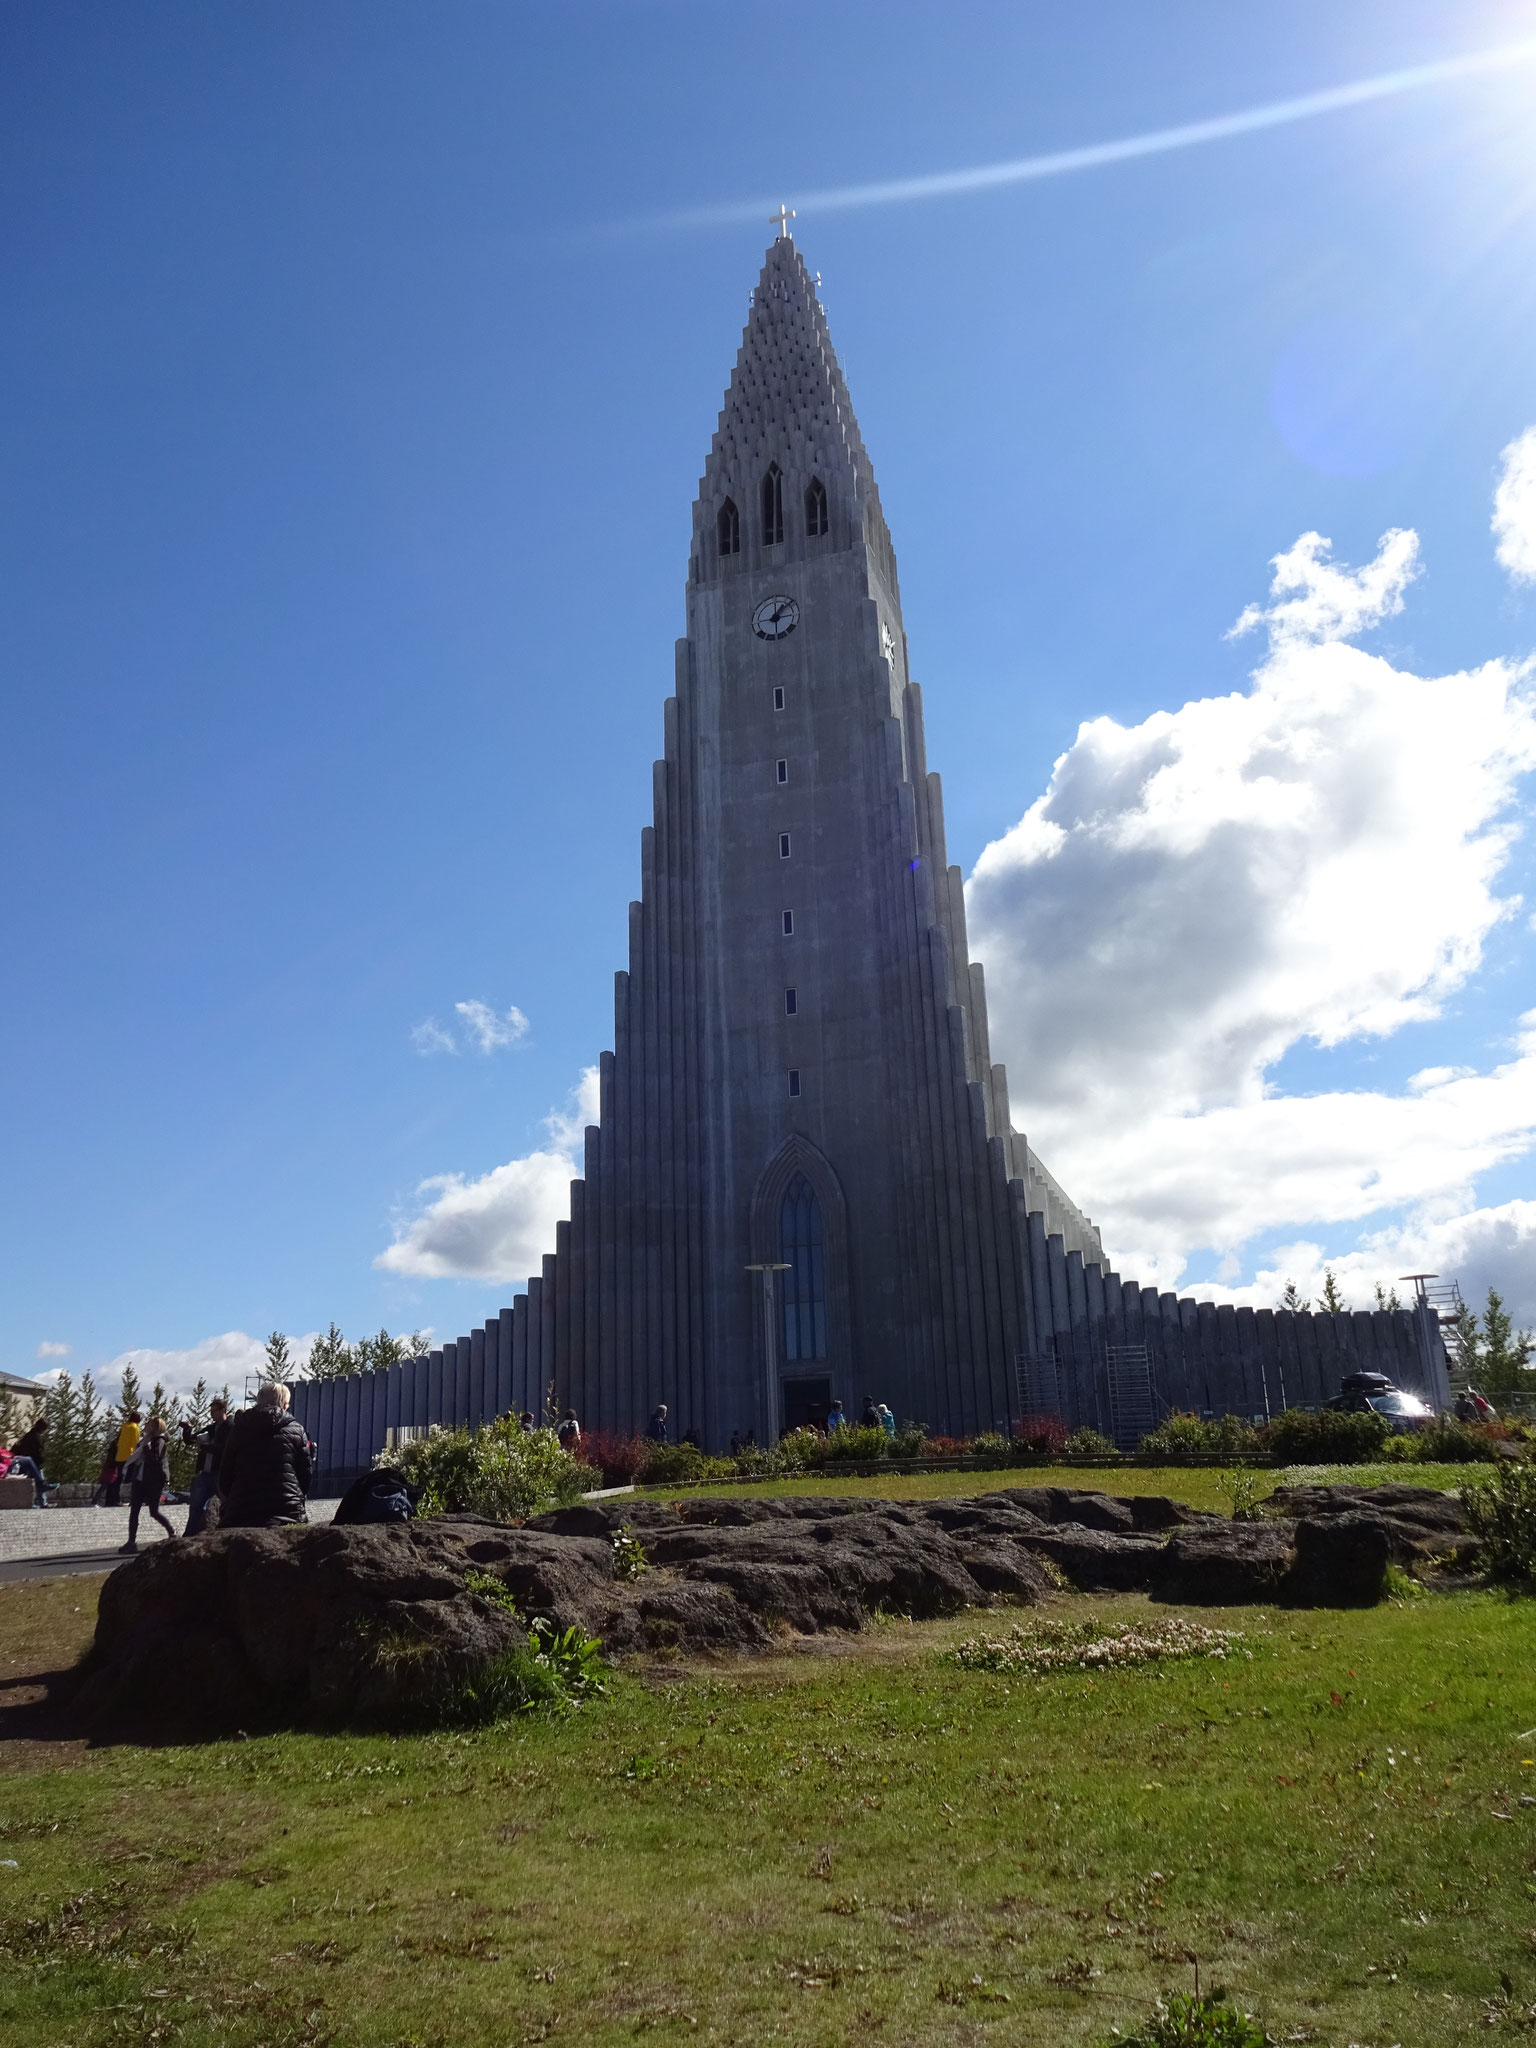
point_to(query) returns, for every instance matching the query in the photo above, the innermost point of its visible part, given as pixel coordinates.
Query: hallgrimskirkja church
(805, 1183)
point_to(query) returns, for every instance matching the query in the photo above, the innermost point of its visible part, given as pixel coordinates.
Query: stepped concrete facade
(805, 1183)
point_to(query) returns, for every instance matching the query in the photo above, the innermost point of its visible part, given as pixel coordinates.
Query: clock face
(775, 618)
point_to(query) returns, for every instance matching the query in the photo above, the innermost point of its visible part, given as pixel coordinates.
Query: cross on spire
(781, 221)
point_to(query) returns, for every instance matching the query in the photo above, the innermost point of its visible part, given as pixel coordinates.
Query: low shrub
(858, 1445)
(502, 1472)
(556, 1669)
(1447, 1442)
(629, 1558)
(1191, 1436)
(682, 1465)
(1042, 1436)
(618, 1458)
(1328, 1438)
(945, 1447)
(1501, 1509)
(991, 1449)
(1208, 2022)
(1088, 1443)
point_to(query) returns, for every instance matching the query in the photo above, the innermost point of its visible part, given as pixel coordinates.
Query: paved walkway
(47, 1543)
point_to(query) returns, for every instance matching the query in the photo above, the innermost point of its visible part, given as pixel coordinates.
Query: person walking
(147, 1478)
(870, 1415)
(209, 1445)
(836, 1419)
(265, 1470)
(656, 1428)
(527, 1422)
(568, 1435)
(127, 1444)
(887, 1419)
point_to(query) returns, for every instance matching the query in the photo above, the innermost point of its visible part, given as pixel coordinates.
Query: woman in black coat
(264, 1473)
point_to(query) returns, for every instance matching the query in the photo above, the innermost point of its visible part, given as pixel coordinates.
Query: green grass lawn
(848, 1842)
(1202, 1486)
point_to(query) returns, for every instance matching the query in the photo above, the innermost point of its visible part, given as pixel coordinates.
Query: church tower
(804, 1183)
(801, 1076)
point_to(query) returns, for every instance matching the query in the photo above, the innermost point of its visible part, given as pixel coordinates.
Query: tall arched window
(802, 1248)
(728, 528)
(773, 506)
(815, 507)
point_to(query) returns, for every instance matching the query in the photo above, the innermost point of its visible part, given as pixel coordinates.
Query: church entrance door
(805, 1401)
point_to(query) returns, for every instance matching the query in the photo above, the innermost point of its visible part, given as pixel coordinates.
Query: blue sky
(360, 380)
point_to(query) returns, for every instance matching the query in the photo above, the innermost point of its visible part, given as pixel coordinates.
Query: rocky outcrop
(251, 1627)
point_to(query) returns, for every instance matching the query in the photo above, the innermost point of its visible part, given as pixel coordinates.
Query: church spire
(787, 410)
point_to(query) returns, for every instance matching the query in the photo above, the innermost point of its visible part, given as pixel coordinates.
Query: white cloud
(50, 1350)
(500, 1226)
(483, 1028)
(226, 1360)
(491, 1032)
(429, 1037)
(1514, 508)
(1315, 858)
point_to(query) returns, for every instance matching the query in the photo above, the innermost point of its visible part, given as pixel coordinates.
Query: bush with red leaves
(617, 1457)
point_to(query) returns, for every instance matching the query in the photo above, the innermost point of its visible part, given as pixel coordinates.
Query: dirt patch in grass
(45, 1626)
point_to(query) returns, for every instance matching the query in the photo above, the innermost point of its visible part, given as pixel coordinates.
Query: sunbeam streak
(1094, 155)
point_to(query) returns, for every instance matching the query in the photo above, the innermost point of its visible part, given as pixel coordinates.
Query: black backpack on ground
(382, 1496)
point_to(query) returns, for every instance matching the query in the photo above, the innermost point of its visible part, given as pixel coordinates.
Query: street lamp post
(768, 1267)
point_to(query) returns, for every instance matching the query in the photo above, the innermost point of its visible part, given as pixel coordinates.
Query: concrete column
(521, 1376)
(1269, 1360)
(440, 1394)
(504, 1362)
(1212, 1393)
(1249, 1366)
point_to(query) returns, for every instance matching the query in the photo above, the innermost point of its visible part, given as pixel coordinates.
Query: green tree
(1386, 1299)
(279, 1364)
(1464, 1346)
(1504, 1354)
(1331, 1300)
(132, 1397)
(195, 1407)
(330, 1356)
(1294, 1299)
(92, 1428)
(377, 1354)
(62, 1408)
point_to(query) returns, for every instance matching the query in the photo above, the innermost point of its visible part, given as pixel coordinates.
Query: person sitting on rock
(149, 1470)
(656, 1428)
(265, 1471)
(27, 1460)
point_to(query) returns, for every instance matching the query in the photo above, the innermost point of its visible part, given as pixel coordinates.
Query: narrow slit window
(783, 846)
(778, 699)
(794, 1080)
(728, 528)
(791, 1002)
(783, 767)
(789, 924)
(773, 507)
(815, 507)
